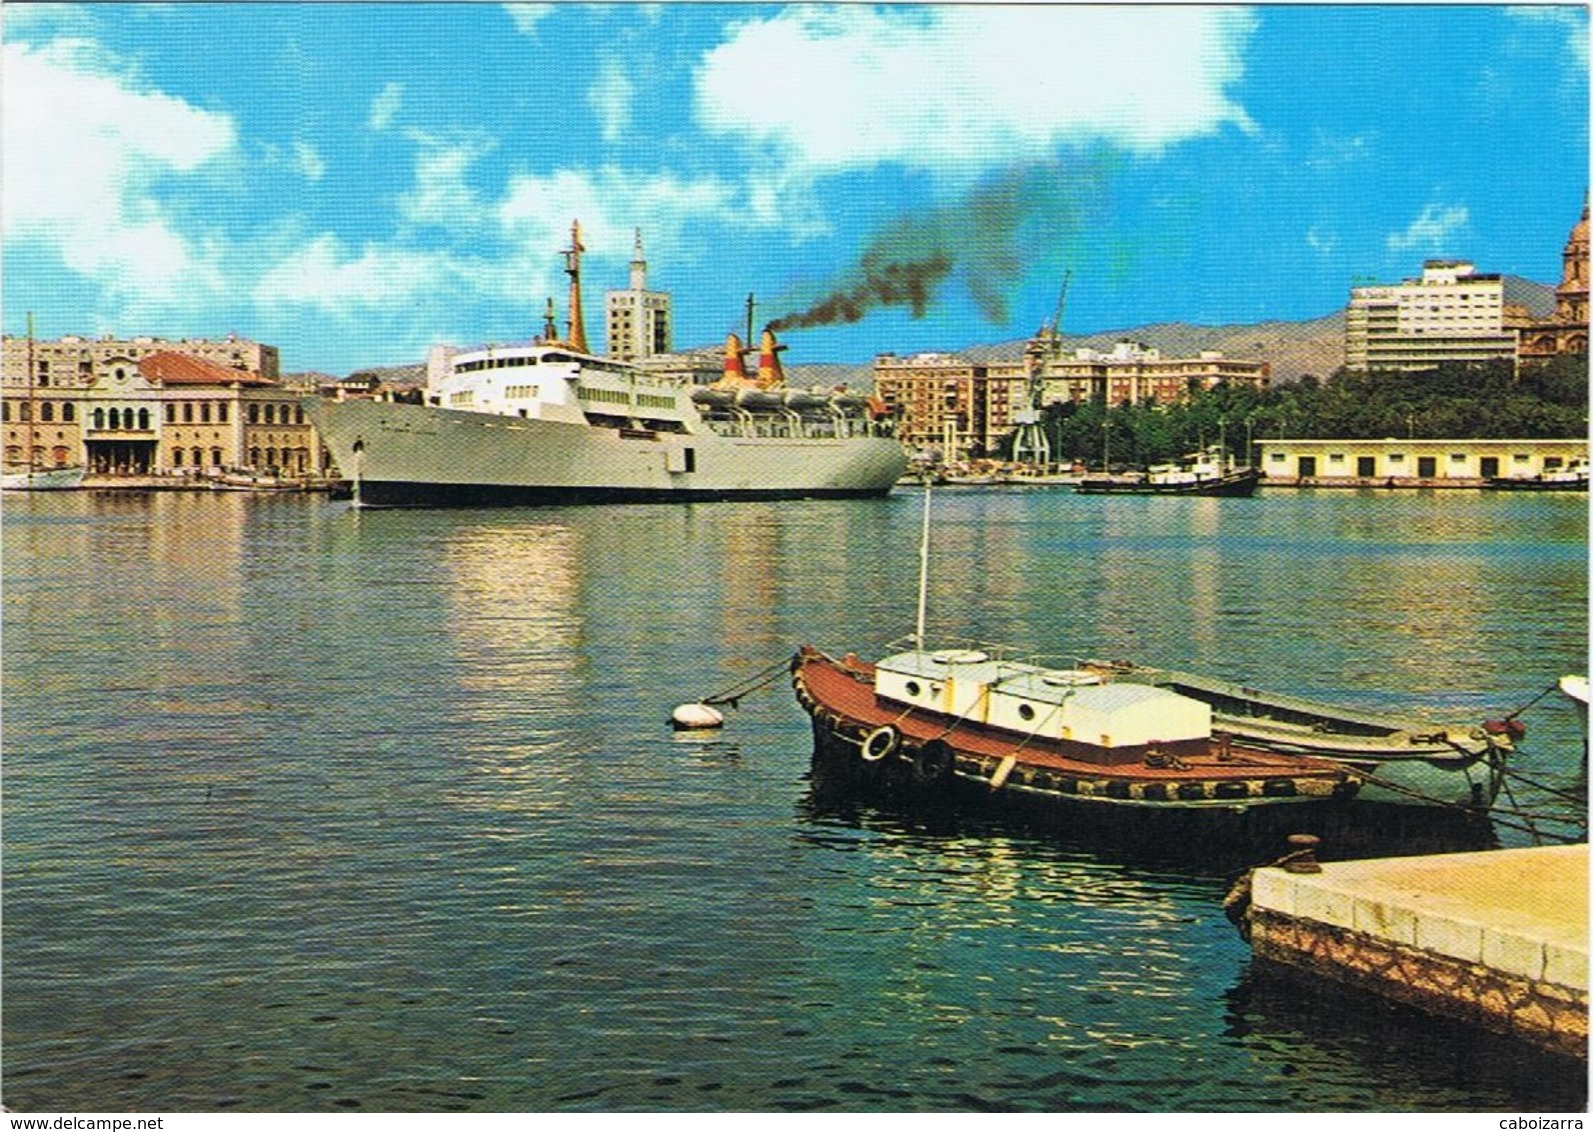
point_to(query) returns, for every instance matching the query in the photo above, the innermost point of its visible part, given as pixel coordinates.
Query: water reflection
(1368, 1051)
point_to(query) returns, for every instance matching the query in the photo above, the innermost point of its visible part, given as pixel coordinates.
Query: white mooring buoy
(696, 717)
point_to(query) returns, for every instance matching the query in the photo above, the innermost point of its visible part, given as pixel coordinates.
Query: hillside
(1293, 348)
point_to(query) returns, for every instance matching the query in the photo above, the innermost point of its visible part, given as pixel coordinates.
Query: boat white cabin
(551, 382)
(1070, 705)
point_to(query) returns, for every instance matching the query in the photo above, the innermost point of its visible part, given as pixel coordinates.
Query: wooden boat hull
(879, 741)
(1505, 484)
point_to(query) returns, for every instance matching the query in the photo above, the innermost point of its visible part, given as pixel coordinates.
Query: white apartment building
(1450, 314)
(637, 321)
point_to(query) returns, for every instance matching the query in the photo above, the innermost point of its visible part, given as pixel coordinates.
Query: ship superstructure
(547, 422)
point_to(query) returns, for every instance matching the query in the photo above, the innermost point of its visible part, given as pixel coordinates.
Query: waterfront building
(76, 360)
(1411, 462)
(1566, 332)
(636, 320)
(963, 408)
(133, 408)
(1452, 313)
(1132, 373)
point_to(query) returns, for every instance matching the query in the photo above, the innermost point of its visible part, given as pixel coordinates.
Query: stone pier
(1497, 939)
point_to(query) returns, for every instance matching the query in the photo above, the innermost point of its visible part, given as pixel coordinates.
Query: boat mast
(923, 570)
(572, 268)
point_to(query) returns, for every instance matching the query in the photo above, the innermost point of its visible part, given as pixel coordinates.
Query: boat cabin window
(1025, 711)
(913, 687)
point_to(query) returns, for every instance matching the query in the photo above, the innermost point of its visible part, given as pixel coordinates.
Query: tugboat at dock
(1203, 473)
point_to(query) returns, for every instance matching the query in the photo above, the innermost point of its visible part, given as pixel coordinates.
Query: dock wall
(1495, 939)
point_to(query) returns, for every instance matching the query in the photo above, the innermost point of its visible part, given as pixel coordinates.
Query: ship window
(1025, 711)
(913, 688)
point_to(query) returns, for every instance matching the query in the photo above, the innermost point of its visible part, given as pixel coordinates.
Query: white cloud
(1572, 18)
(972, 85)
(385, 105)
(69, 109)
(441, 196)
(324, 273)
(1435, 224)
(611, 203)
(610, 98)
(526, 17)
(310, 161)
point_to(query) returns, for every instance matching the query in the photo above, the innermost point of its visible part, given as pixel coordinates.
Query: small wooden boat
(1407, 761)
(957, 718)
(1204, 473)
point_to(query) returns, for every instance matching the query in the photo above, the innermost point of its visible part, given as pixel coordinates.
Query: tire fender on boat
(879, 742)
(934, 761)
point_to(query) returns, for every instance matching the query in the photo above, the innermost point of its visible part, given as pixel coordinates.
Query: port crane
(1030, 443)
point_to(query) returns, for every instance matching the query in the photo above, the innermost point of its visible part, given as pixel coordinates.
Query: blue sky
(355, 182)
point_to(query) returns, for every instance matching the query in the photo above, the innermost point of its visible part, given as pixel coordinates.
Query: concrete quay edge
(1522, 912)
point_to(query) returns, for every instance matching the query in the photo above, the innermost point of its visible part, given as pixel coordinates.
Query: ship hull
(46, 479)
(400, 455)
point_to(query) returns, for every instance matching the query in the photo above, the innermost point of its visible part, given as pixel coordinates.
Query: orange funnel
(770, 373)
(735, 371)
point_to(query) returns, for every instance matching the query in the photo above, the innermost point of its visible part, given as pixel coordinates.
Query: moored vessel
(961, 720)
(1203, 473)
(547, 421)
(42, 479)
(31, 473)
(1403, 761)
(1572, 477)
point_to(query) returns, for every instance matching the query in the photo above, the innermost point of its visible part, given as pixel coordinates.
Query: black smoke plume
(1023, 217)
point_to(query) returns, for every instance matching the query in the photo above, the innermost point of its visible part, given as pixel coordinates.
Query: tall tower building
(1567, 331)
(637, 321)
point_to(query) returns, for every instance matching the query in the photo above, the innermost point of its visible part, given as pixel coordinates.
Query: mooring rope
(760, 679)
(1555, 687)
(1565, 795)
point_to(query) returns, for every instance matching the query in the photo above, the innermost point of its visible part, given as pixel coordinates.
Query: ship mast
(572, 268)
(32, 409)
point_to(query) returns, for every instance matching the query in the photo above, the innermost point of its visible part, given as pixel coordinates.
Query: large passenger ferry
(546, 421)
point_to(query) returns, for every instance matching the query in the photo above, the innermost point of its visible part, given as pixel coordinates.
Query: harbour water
(310, 809)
